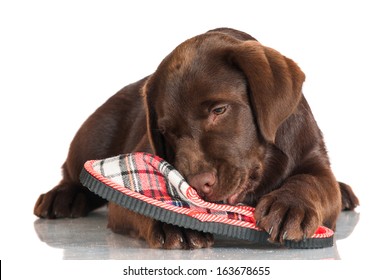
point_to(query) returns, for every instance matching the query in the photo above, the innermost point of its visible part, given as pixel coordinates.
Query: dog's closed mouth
(237, 196)
(232, 200)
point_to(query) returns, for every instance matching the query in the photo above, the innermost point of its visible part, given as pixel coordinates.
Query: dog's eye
(219, 110)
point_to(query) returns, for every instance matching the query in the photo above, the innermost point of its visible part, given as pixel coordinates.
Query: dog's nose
(203, 182)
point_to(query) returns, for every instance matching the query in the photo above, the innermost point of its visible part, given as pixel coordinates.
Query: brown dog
(230, 115)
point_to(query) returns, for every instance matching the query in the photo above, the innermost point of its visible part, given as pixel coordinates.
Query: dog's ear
(275, 84)
(156, 138)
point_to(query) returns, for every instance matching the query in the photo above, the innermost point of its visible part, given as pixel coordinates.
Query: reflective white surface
(88, 238)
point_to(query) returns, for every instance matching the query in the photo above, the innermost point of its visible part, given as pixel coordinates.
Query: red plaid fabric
(140, 173)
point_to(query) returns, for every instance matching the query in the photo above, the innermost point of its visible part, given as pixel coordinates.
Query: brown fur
(230, 115)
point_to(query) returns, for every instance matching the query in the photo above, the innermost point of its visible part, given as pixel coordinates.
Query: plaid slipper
(152, 187)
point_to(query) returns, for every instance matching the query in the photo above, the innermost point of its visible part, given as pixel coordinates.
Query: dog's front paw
(167, 236)
(63, 201)
(286, 217)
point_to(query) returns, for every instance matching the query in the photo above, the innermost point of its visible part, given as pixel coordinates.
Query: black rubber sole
(186, 221)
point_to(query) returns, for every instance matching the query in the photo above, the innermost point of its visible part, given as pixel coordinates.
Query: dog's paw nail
(270, 240)
(285, 235)
(161, 240)
(270, 230)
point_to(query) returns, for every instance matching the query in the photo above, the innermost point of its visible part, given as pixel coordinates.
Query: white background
(60, 60)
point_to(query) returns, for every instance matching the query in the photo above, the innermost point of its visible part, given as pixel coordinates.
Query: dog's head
(214, 104)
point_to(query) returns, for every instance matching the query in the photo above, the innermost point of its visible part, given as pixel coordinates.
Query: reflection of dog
(229, 114)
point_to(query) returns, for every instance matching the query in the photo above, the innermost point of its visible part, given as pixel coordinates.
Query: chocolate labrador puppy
(230, 115)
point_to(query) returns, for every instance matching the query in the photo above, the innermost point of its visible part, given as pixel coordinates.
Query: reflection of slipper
(152, 187)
